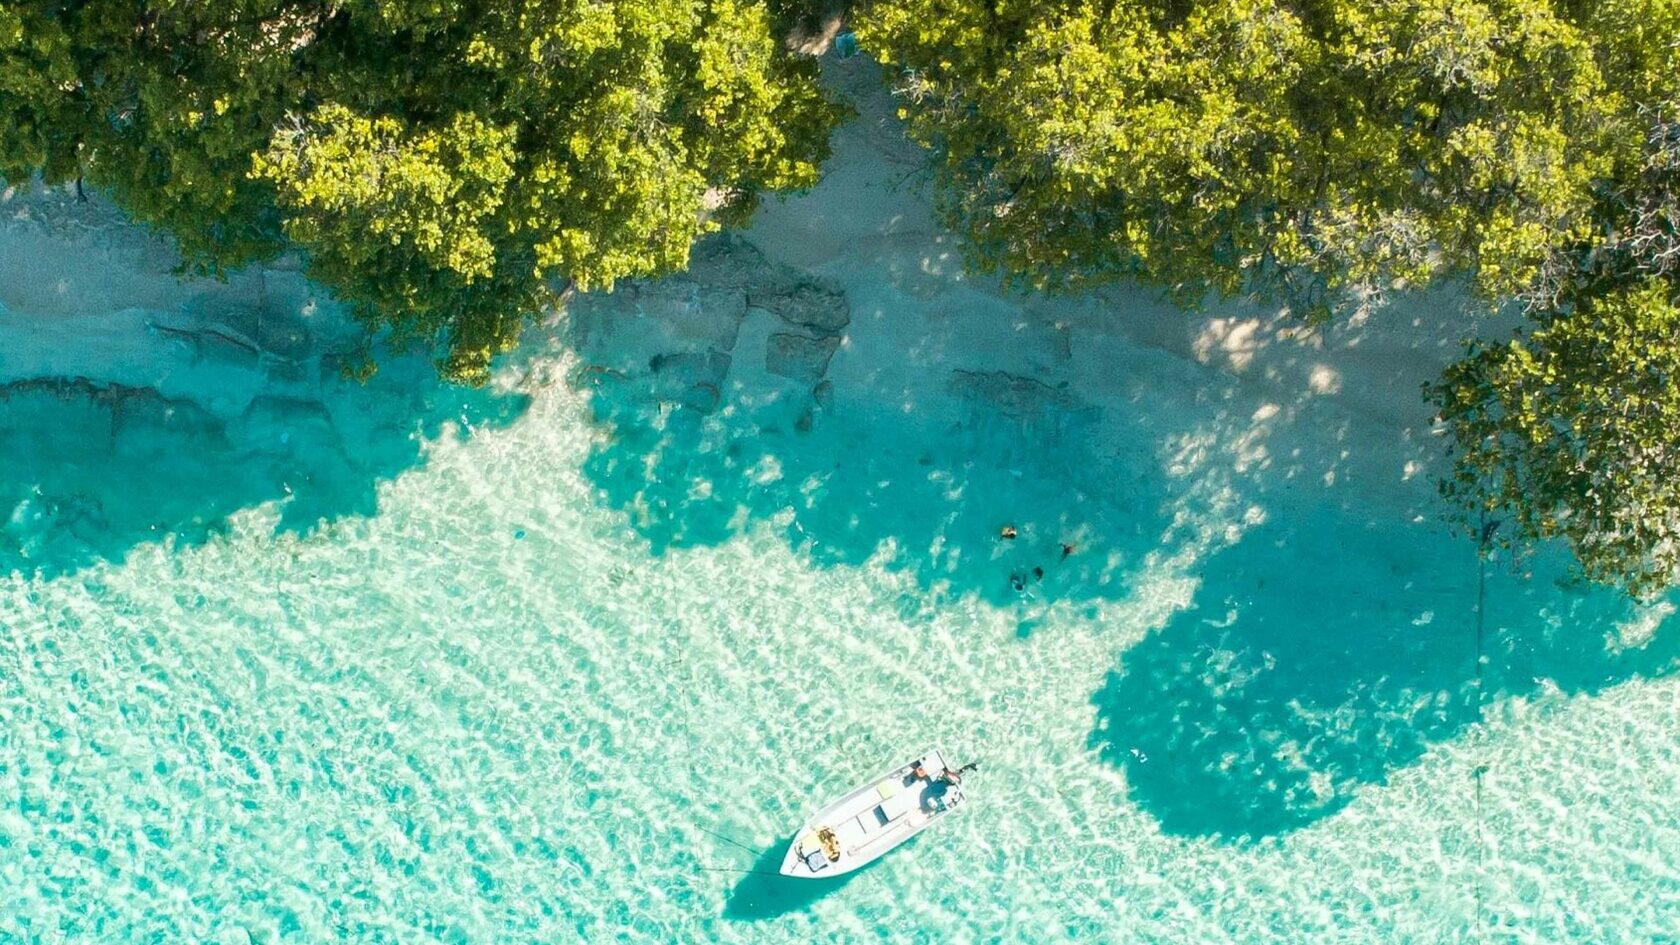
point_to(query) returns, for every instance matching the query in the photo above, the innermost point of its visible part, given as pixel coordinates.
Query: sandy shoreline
(86, 296)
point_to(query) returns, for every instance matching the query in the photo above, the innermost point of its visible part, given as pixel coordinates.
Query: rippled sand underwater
(494, 712)
(287, 658)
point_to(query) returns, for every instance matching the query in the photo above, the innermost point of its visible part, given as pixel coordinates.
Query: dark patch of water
(1323, 652)
(93, 469)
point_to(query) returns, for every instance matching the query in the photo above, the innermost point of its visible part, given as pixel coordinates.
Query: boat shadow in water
(1325, 651)
(764, 893)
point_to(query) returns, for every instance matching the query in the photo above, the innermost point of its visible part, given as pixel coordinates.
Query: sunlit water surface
(569, 659)
(492, 713)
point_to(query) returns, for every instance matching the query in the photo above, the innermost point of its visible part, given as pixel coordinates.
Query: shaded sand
(136, 406)
(563, 655)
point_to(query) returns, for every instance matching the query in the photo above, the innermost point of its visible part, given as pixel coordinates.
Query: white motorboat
(878, 815)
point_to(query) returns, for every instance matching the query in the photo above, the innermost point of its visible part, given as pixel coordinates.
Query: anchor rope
(1483, 536)
(729, 840)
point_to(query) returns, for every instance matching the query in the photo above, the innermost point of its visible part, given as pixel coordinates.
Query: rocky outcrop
(692, 379)
(286, 424)
(1011, 394)
(799, 357)
(126, 405)
(688, 325)
(804, 303)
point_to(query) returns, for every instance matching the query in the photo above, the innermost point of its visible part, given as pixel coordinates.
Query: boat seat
(851, 832)
(900, 804)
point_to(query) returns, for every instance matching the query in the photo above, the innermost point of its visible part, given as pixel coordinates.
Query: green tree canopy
(1325, 148)
(1571, 430)
(1323, 152)
(447, 164)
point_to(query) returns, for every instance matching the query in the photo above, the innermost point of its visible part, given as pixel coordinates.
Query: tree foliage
(1323, 152)
(445, 163)
(1570, 430)
(1326, 149)
(1573, 429)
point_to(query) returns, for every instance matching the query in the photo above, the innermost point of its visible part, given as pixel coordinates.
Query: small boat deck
(873, 818)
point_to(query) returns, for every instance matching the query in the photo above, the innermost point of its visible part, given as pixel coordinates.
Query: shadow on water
(1331, 644)
(92, 470)
(1322, 653)
(701, 442)
(766, 894)
(864, 486)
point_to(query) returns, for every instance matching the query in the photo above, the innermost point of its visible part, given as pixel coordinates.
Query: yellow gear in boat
(830, 844)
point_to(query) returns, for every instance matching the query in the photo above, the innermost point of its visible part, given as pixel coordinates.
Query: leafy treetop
(1326, 151)
(446, 164)
(1323, 149)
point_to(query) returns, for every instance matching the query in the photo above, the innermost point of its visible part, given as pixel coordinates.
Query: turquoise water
(567, 659)
(553, 688)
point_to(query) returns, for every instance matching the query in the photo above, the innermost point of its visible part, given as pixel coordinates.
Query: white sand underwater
(284, 657)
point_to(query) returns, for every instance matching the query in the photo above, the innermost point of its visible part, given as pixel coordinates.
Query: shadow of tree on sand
(1323, 652)
(700, 442)
(93, 469)
(863, 485)
(1332, 641)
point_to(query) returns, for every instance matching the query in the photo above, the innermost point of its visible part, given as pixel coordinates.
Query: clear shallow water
(494, 712)
(569, 655)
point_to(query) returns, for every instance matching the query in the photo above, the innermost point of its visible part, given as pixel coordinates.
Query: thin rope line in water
(1481, 717)
(734, 869)
(729, 840)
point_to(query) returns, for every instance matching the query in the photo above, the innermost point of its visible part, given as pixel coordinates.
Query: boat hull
(873, 819)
